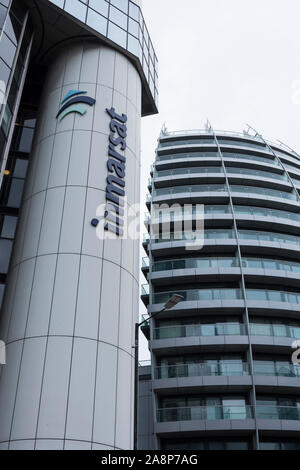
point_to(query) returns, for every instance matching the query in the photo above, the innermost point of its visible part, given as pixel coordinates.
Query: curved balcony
(218, 215)
(200, 295)
(211, 300)
(225, 329)
(228, 412)
(202, 370)
(207, 413)
(189, 269)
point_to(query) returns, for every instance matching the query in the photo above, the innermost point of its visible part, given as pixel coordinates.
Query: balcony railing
(186, 331)
(276, 369)
(202, 370)
(230, 294)
(227, 413)
(226, 329)
(194, 263)
(282, 331)
(201, 294)
(273, 296)
(203, 413)
(278, 412)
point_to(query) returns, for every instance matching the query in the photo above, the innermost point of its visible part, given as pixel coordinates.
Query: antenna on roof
(250, 128)
(164, 129)
(208, 126)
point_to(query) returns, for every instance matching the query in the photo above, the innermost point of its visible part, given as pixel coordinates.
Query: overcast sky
(230, 61)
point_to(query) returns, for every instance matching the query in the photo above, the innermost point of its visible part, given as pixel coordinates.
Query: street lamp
(174, 300)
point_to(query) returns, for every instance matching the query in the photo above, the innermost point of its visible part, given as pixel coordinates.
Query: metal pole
(136, 384)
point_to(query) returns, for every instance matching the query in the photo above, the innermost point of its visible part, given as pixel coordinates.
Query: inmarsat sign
(116, 165)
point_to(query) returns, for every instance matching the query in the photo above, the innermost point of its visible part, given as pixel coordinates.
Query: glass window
(133, 28)
(9, 227)
(13, 28)
(20, 168)
(134, 11)
(5, 250)
(121, 4)
(7, 50)
(25, 139)
(76, 8)
(97, 22)
(118, 17)
(117, 34)
(133, 45)
(4, 73)
(2, 287)
(15, 193)
(7, 117)
(3, 11)
(101, 6)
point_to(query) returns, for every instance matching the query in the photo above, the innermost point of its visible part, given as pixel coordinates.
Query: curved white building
(71, 290)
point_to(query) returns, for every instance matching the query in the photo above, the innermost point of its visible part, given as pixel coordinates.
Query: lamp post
(174, 300)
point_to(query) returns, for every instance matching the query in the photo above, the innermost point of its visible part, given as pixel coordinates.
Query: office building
(76, 77)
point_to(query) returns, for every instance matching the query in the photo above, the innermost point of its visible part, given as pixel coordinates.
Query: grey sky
(231, 61)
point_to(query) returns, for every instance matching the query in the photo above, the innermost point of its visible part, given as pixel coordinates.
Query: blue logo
(72, 103)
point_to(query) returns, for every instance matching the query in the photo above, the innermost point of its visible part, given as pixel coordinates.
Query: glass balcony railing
(266, 212)
(218, 169)
(228, 294)
(259, 263)
(200, 294)
(235, 188)
(227, 412)
(291, 167)
(278, 412)
(190, 156)
(173, 143)
(145, 262)
(195, 188)
(244, 156)
(225, 235)
(178, 214)
(263, 191)
(277, 330)
(202, 370)
(276, 369)
(196, 330)
(197, 235)
(268, 236)
(226, 329)
(194, 263)
(223, 368)
(273, 296)
(204, 413)
(189, 171)
(240, 143)
(258, 173)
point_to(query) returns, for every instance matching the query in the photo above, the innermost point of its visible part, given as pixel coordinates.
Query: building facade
(76, 78)
(223, 374)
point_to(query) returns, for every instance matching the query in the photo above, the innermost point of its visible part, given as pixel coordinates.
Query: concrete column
(72, 299)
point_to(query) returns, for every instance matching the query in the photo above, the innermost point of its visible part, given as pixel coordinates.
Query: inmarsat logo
(72, 103)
